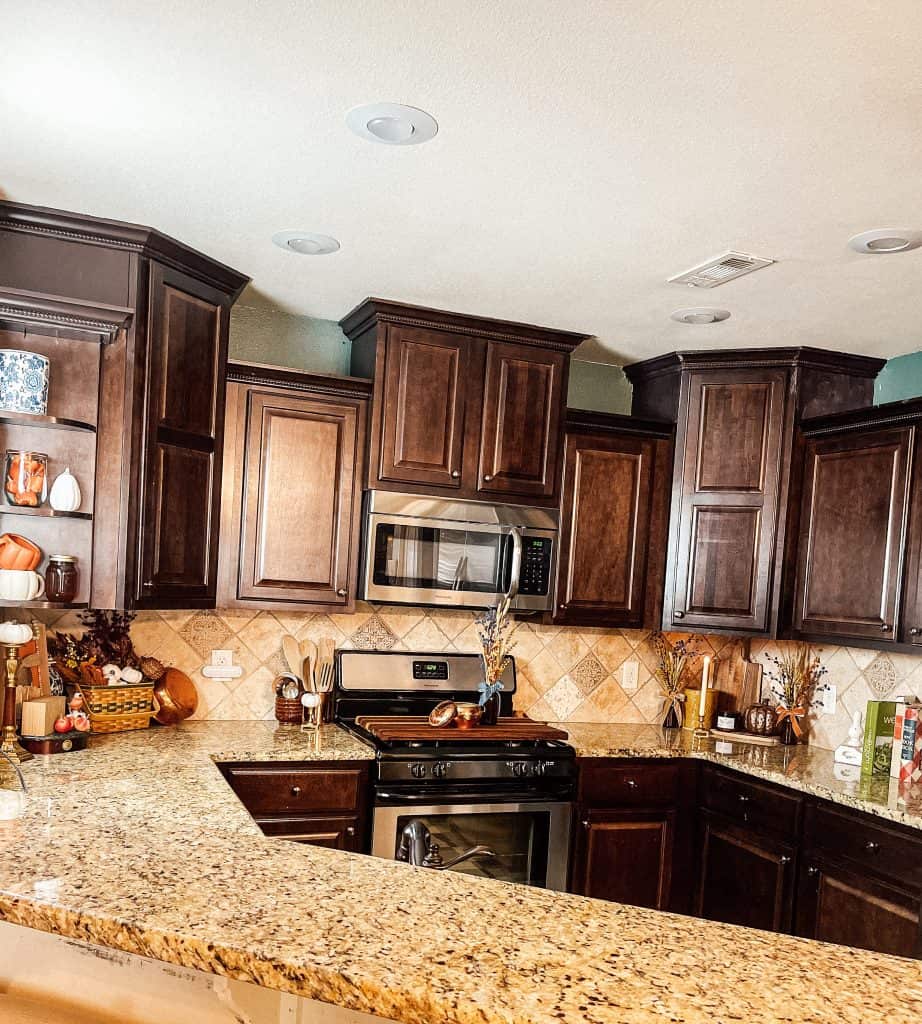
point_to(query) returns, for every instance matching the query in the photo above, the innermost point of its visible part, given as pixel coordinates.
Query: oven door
(531, 839)
(416, 560)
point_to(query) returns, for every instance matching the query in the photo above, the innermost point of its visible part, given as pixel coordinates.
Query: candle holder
(700, 732)
(10, 745)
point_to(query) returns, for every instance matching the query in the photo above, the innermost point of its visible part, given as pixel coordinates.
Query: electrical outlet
(828, 705)
(629, 671)
(222, 659)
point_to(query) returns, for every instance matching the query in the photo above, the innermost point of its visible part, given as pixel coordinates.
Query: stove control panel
(431, 770)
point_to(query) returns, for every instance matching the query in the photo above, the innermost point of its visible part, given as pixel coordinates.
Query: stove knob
(440, 769)
(516, 767)
(418, 770)
(539, 768)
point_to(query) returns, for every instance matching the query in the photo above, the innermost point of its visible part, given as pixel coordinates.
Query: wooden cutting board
(390, 729)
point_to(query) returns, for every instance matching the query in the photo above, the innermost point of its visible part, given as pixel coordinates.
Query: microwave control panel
(536, 566)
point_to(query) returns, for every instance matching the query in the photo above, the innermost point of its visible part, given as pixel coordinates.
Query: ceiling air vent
(720, 270)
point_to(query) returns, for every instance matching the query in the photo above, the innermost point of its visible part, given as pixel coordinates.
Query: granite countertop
(804, 768)
(138, 844)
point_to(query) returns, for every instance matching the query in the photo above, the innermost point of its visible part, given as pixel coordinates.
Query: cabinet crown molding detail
(102, 322)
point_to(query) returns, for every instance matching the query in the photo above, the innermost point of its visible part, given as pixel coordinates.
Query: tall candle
(705, 679)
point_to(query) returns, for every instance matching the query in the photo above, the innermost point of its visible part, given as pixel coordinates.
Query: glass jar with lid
(26, 479)
(61, 578)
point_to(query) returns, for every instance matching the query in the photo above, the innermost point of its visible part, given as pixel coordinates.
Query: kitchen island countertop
(138, 844)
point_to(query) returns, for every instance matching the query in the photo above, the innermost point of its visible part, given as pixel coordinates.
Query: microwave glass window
(425, 558)
(519, 839)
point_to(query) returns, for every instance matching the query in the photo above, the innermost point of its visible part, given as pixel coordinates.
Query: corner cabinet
(160, 312)
(614, 510)
(463, 406)
(293, 462)
(735, 414)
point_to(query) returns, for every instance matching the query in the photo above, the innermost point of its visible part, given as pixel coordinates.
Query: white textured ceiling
(587, 151)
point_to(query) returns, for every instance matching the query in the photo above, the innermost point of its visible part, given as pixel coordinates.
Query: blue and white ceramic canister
(23, 381)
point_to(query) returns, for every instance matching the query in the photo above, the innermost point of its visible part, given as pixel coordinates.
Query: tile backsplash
(564, 673)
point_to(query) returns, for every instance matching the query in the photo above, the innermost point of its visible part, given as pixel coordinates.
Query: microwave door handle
(516, 570)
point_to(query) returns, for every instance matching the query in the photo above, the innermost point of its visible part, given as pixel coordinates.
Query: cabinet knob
(678, 615)
(743, 799)
(871, 846)
(813, 872)
(487, 478)
(341, 592)
(585, 823)
(915, 631)
(784, 859)
(350, 830)
(563, 607)
(295, 790)
(885, 627)
(630, 783)
(455, 473)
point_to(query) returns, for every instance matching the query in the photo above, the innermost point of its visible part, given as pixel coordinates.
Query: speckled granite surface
(805, 768)
(138, 844)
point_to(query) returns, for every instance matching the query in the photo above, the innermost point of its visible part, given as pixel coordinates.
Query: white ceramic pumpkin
(65, 493)
(131, 675)
(15, 633)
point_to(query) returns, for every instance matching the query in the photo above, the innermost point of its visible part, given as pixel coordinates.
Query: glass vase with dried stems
(495, 629)
(673, 658)
(795, 680)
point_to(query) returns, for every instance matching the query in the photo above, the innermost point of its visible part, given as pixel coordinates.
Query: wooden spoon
(292, 654)
(308, 651)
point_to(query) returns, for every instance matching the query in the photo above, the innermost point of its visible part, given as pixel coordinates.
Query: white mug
(21, 585)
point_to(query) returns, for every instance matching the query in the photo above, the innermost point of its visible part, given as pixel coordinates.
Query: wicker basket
(118, 708)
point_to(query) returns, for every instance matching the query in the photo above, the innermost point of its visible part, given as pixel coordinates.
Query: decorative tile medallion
(881, 675)
(205, 632)
(374, 635)
(588, 674)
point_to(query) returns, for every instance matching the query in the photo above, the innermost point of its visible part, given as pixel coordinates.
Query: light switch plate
(629, 672)
(828, 704)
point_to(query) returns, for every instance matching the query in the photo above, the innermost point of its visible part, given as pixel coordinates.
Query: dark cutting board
(390, 729)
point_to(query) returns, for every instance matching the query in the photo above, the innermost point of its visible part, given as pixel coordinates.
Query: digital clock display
(430, 669)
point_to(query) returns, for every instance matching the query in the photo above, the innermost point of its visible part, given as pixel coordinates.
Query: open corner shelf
(63, 606)
(42, 513)
(24, 419)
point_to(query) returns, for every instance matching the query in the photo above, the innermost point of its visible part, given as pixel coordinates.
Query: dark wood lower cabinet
(338, 833)
(745, 877)
(627, 857)
(835, 904)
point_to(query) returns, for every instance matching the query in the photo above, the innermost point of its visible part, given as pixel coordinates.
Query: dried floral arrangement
(495, 629)
(673, 659)
(105, 644)
(795, 680)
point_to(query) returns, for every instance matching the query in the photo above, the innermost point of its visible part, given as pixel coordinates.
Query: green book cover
(878, 737)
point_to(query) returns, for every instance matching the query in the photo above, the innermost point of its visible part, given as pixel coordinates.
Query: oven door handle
(515, 572)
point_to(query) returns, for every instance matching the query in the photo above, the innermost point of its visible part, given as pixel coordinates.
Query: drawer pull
(915, 631)
(585, 823)
(813, 872)
(455, 474)
(743, 799)
(678, 615)
(295, 790)
(341, 592)
(885, 627)
(784, 859)
(350, 830)
(871, 846)
(487, 478)
(630, 783)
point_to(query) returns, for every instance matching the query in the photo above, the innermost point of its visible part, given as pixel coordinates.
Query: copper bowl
(468, 715)
(175, 697)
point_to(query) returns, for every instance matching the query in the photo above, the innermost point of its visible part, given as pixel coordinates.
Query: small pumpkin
(65, 493)
(761, 719)
(131, 675)
(15, 633)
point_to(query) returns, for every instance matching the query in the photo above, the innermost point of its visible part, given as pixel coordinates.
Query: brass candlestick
(700, 732)
(10, 744)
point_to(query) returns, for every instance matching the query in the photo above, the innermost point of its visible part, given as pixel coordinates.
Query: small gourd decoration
(15, 633)
(65, 493)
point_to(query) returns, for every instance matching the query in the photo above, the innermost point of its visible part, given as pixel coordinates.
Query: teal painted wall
(262, 335)
(900, 378)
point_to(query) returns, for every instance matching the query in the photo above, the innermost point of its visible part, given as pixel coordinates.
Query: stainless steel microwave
(421, 550)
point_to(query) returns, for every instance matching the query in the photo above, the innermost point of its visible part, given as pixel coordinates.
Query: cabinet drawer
(883, 851)
(750, 803)
(267, 791)
(605, 782)
(336, 832)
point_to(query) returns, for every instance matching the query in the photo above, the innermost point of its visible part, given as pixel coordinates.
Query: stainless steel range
(490, 807)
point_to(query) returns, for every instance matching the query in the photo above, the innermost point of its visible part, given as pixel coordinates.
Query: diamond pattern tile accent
(881, 675)
(588, 673)
(374, 635)
(204, 632)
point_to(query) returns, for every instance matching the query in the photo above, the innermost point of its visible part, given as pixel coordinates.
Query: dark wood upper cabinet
(154, 478)
(463, 406)
(424, 407)
(523, 402)
(614, 508)
(735, 414)
(852, 525)
(293, 461)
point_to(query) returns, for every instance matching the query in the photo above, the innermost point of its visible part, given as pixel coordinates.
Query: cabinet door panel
(299, 499)
(627, 857)
(853, 516)
(423, 407)
(745, 878)
(837, 905)
(520, 433)
(727, 507)
(334, 833)
(187, 342)
(605, 528)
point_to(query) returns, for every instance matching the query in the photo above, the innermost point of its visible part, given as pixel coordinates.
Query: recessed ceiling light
(884, 240)
(392, 124)
(700, 315)
(305, 243)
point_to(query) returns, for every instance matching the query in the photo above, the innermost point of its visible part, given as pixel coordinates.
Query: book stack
(879, 737)
(910, 766)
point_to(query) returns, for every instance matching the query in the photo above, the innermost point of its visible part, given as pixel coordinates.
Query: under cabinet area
(463, 406)
(321, 804)
(613, 518)
(293, 462)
